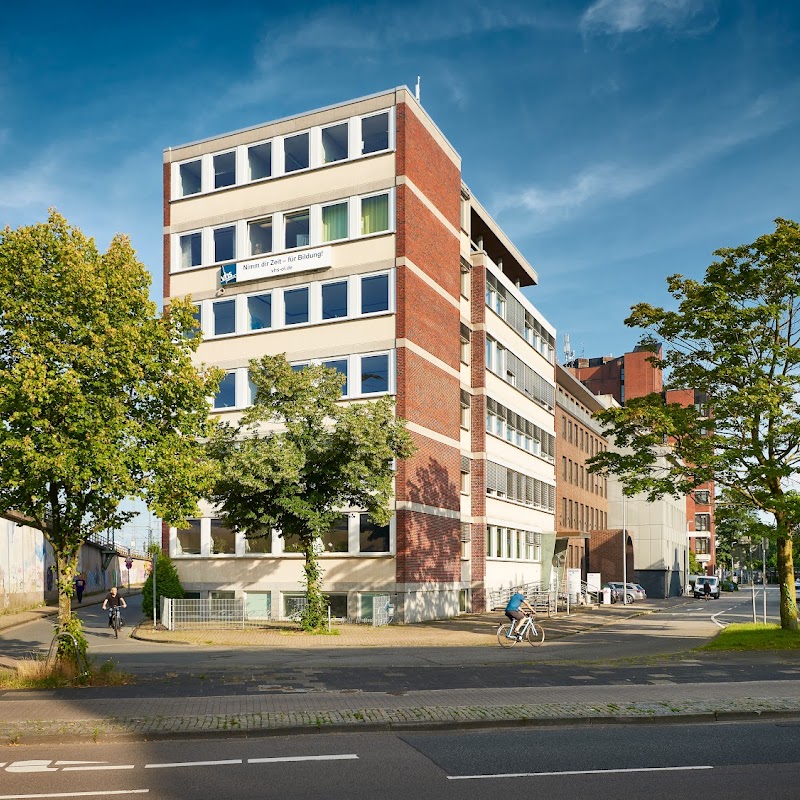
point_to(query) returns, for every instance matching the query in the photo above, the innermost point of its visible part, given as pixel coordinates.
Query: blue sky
(616, 141)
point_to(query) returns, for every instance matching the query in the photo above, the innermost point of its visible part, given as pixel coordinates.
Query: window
(259, 160)
(295, 303)
(336, 539)
(374, 374)
(466, 409)
(466, 540)
(374, 294)
(197, 315)
(225, 169)
(338, 605)
(465, 344)
(291, 543)
(225, 244)
(260, 236)
(374, 214)
(188, 539)
(223, 539)
(464, 282)
(702, 546)
(258, 605)
(296, 226)
(259, 312)
(252, 390)
(334, 143)
(259, 545)
(375, 133)
(334, 300)
(226, 394)
(340, 365)
(191, 250)
(372, 538)
(191, 177)
(334, 222)
(702, 522)
(465, 483)
(295, 149)
(224, 314)
(702, 497)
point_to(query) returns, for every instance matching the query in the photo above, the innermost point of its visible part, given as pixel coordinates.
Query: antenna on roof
(569, 354)
(416, 90)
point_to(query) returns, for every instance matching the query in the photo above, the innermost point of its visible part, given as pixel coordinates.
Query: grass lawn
(754, 636)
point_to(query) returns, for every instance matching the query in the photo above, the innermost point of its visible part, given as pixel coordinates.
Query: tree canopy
(99, 398)
(735, 338)
(299, 457)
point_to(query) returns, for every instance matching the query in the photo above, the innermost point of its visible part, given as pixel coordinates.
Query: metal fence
(182, 615)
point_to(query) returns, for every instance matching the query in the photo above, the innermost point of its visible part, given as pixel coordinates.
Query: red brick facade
(428, 544)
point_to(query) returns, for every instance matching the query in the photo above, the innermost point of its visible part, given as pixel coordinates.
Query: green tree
(300, 456)
(735, 336)
(99, 399)
(168, 584)
(736, 526)
(695, 567)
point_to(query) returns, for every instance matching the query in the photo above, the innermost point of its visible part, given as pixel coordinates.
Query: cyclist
(114, 600)
(513, 612)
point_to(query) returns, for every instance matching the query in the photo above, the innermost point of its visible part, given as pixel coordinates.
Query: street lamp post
(624, 552)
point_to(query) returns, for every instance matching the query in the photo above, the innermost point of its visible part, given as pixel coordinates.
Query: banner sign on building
(270, 266)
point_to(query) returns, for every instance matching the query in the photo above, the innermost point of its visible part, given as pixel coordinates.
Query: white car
(712, 581)
(632, 592)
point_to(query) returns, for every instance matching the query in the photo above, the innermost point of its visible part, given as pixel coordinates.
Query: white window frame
(391, 138)
(391, 289)
(391, 214)
(177, 259)
(356, 374)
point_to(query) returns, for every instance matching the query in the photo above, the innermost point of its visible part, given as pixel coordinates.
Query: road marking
(108, 766)
(34, 765)
(569, 772)
(194, 764)
(301, 758)
(104, 793)
(74, 763)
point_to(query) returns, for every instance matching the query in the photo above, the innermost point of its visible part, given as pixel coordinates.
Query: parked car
(699, 586)
(632, 594)
(797, 585)
(641, 589)
(615, 595)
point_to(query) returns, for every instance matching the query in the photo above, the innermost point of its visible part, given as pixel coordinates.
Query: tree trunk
(785, 576)
(314, 616)
(67, 565)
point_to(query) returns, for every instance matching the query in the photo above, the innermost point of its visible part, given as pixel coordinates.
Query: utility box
(606, 595)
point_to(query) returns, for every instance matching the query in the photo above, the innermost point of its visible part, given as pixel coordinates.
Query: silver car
(632, 592)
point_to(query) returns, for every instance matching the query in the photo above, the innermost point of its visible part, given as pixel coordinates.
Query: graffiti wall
(28, 573)
(23, 565)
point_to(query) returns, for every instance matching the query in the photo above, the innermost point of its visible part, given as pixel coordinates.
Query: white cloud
(632, 16)
(538, 208)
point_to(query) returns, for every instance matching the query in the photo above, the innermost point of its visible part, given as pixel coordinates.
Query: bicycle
(528, 630)
(116, 620)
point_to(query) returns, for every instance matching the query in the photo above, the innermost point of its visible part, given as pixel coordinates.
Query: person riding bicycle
(513, 612)
(112, 601)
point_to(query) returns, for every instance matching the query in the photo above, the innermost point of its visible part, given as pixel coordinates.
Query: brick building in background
(633, 375)
(346, 236)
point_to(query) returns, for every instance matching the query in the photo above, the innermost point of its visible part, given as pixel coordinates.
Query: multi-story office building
(346, 236)
(581, 497)
(634, 375)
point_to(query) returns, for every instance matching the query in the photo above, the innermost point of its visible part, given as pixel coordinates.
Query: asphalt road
(660, 761)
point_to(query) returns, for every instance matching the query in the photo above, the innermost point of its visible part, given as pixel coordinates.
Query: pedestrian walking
(80, 586)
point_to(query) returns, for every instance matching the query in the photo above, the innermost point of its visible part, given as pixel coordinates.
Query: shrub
(168, 583)
(66, 648)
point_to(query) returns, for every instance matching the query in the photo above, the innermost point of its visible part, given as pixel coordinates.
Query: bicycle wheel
(535, 634)
(502, 636)
(115, 625)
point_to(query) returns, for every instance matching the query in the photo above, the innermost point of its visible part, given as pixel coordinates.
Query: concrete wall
(27, 568)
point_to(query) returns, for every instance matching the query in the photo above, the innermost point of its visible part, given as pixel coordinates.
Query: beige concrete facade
(427, 567)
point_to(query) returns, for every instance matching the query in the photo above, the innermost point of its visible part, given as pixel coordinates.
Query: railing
(184, 615)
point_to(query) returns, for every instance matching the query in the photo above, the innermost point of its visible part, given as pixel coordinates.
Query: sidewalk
(466, 630)
(40, 716)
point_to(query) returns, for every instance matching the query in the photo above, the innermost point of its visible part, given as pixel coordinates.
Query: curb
(692, 718)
